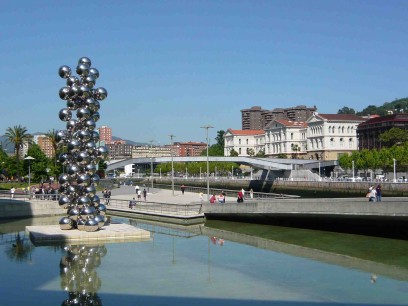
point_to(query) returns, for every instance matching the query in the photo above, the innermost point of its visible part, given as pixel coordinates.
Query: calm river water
(217, 263)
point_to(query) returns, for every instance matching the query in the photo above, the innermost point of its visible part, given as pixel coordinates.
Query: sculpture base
(111, 233)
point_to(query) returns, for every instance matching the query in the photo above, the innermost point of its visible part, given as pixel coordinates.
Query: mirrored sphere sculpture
(82, 155)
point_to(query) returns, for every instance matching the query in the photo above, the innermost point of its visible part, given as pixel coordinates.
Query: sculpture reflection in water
(81, 155)
(78, 274)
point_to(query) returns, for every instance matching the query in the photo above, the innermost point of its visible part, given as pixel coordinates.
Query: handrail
(156, 207)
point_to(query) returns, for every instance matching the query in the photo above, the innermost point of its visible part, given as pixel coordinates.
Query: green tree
(233, 153)
(261, 153)
(39, 164)
(346, 110)
(393, 136)
(220, 138)
(250, 151)
(18, 136)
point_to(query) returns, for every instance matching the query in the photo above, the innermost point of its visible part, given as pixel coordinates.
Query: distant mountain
(130, 142)
(8, 148)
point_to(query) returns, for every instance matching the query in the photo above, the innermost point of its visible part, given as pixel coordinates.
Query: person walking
(378, 193)
(182, 188)
(144, 194)
(251, 193)
(109, 193)
(132, 203)
(12, 191)
(137, 189)
(372, 194)
(240, 198)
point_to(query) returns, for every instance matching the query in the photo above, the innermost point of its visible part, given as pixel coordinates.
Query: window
(247, 141)
(239, 150)
(332, 142)
(291, 135)
(239, 141)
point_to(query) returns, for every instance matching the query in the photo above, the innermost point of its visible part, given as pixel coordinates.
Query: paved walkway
(160, 195)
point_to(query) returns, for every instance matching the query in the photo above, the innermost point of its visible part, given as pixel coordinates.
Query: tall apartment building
(256, 118)
(105, 134)
(252, 118)
(44, 142)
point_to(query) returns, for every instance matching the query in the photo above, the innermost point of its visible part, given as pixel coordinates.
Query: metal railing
(230, 193)
(156, 207)
(23, 196)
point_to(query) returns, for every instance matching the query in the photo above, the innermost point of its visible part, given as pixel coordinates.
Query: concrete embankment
(24, 208)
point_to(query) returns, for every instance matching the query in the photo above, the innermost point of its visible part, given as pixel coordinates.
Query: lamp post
(208, 166)
(151, 163)
(319, 173)
(29, 158)
(352, 168)
(395, 173)
(172, 165)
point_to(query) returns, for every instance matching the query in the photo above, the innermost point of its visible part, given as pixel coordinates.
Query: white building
(285, 137)
(331, 135)
(244, 142)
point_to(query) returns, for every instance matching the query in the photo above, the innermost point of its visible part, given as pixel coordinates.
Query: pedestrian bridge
(269, 164)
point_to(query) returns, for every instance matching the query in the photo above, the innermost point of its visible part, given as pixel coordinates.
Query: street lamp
(151, 163)
(208, 166)
(395, 173)
(172, 165)
(352, 168)
(29, 158)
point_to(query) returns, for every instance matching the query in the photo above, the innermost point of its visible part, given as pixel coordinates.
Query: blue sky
(171, 67)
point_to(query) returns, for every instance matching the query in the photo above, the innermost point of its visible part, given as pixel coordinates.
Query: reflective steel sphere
(95, 179)
(83, 114)
(100, 93)
(64, 201)
(65, 114)
(73, 213)
(102, 152)
(73, 146)
(82, 70)
(64, 179)
(94, 72)
(101, 209)
(60, 136)
(95, 116)
(100, 219)
(95, 200)
(72, 80)
(91, 168)
(85, 60)
(83, 179)
(90, 125)
(64, 93)
(90, 191)
(91, 225)
(66, 223)
(64, 72)
(80, 224)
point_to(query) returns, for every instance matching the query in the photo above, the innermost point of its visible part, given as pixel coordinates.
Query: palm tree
(51, 135)
(18, 136)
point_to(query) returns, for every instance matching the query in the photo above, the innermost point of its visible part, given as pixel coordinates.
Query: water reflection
(78, 274)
